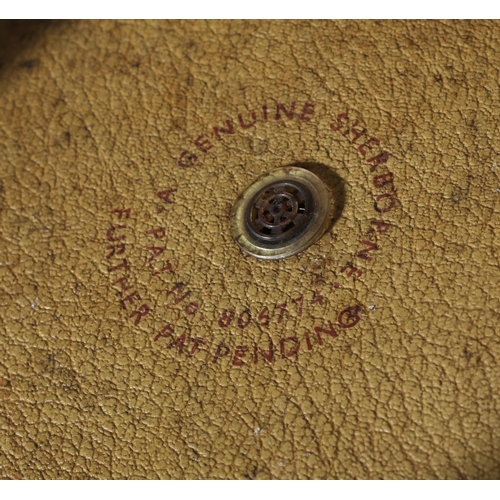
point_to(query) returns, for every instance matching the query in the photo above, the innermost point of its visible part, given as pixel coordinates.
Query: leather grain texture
(138, 341)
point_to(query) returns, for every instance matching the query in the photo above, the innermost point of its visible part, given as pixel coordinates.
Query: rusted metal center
(280, 212)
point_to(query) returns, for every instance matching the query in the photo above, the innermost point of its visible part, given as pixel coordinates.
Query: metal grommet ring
(281, 213)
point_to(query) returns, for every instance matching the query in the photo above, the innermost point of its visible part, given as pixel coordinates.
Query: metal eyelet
(281, 213)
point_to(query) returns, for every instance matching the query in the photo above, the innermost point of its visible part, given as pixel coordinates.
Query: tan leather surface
(387, 367)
